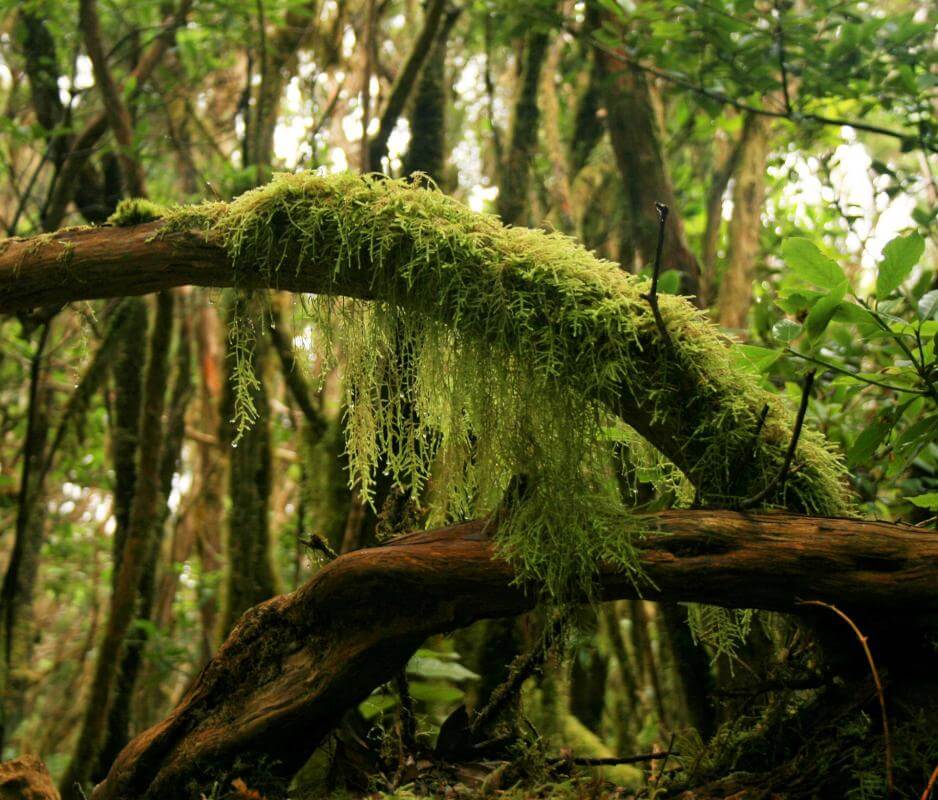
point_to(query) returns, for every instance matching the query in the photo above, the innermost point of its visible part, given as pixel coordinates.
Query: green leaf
(928, 305)
(375, 704)
(820, 316)
(753, 358)
(910, 444)
(430, 667)
(669, 281)
(928, 500)
(899, 256)
(435, 692)
(797, 302)
(866, 443)
(804, 258)
(786, 330)
(851, 312)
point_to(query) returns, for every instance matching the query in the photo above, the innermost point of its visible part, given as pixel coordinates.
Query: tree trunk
(293, 665)
(725, 157)
(118, 724)
(426, 152)
(423, 47)
(127, 374)
(514, 181)
(16, 593)
(142, 515)
(209, 507)
(745, 224)
(692, 667)
(250, 577)
(637, 142)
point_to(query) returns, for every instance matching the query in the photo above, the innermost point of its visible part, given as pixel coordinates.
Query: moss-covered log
(577, 320)
(293, 665)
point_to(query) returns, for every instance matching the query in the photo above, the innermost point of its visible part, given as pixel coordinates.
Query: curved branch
(591, 326)
(294, 664)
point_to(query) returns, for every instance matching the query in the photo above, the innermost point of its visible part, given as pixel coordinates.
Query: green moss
(135, 211)
(525, 348)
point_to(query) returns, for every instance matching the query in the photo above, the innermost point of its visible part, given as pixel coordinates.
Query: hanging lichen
(525, 347)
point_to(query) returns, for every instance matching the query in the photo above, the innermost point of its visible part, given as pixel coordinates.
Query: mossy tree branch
(554, 304)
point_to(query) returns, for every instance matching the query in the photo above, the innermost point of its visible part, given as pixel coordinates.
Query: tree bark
(209, 504)
(123, 598)
(426, 152)
(82, 264)
(423, 46)
(124, 427)
(294, 664)
(725, 158)
(119, 716)
(67, 179)
(746, 223)
(512, 202)
(118, 116)
(637, 143)
(16, 593)
(250, 573)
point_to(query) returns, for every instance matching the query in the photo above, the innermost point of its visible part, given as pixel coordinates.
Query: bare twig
(521, 670)
(932, 781)
(855, 376)
(612, 762)
(667, 755)
(757, 433)
(782, 476)
(879, 687)
(408, 725)
(652, 296)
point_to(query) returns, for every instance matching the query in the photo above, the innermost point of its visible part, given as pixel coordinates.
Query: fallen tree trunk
(295, 664)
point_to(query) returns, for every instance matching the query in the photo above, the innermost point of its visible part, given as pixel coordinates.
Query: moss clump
(525, 347)
(135, 211)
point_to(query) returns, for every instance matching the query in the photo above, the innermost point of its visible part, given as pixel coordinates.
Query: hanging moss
(524, 347)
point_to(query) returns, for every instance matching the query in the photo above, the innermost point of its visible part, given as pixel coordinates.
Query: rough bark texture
(142, 515)
(279, 52)
(16, 593)
(406, 80)
(561, 199)
(294, 664)
(512, 203)
(26, 778)
(427, 149)
(725, 157)
(125, 424)
(745, 225)
(637, 142)
(119, 717)
(250, 576)
(69, 177)
(209, 507)
(118, 116)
